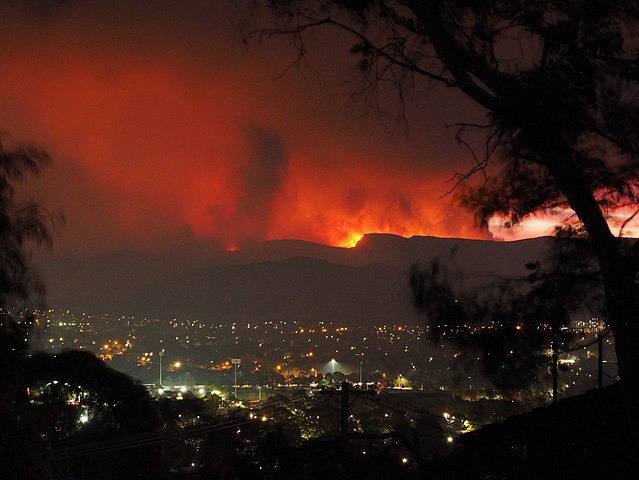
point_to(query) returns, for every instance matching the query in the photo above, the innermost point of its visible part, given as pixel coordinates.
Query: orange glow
(199, 172)
(354, 240)
(112, 348)
(220, 366)
(162, 150)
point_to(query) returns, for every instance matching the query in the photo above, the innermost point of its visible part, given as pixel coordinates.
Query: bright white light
(183, 390)
(161, 391)
(84, 418)
(449, 439)
(404, 460)
(201, 391)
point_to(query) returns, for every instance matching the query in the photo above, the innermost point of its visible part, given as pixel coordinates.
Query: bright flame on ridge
(354, 240)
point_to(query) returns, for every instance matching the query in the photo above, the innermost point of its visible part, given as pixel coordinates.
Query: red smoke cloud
(165, 130)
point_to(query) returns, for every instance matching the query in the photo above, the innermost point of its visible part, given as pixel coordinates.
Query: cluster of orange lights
(112, 348)
(221, 366)
(321, 330)
(519, 328)
(384, 329)
(145, 359)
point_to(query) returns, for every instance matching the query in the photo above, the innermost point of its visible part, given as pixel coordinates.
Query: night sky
(167, 131)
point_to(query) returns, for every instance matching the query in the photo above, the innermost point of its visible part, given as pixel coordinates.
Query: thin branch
(492, 143)
(613, 140)
(366, 47)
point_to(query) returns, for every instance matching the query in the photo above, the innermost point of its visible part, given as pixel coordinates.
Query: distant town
(246, 357)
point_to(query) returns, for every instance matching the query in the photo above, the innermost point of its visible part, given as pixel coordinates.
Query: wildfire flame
(354, 240)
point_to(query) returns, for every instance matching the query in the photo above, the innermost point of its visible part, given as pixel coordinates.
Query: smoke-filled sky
(167, 131)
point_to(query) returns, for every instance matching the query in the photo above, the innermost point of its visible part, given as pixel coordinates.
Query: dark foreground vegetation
(73, 417)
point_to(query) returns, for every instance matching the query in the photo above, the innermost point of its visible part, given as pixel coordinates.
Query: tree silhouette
(117, 407)
(558, 81)
(22, 225)
(514, 324)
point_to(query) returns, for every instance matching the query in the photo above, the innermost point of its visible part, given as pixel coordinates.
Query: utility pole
(600, 338)
(345, 394)
(343, 409)
(555, 374)
(344, 403)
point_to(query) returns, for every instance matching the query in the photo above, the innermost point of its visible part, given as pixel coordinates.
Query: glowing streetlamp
(161, 354)
(236, 362)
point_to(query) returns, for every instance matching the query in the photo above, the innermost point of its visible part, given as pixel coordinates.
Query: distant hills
(275, 280)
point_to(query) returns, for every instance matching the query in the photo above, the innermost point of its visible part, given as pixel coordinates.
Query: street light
(161, 354)
(236, 362)
(333, 365)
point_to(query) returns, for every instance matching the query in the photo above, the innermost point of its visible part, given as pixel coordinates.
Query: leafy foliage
(20, 224)
(512, 324)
